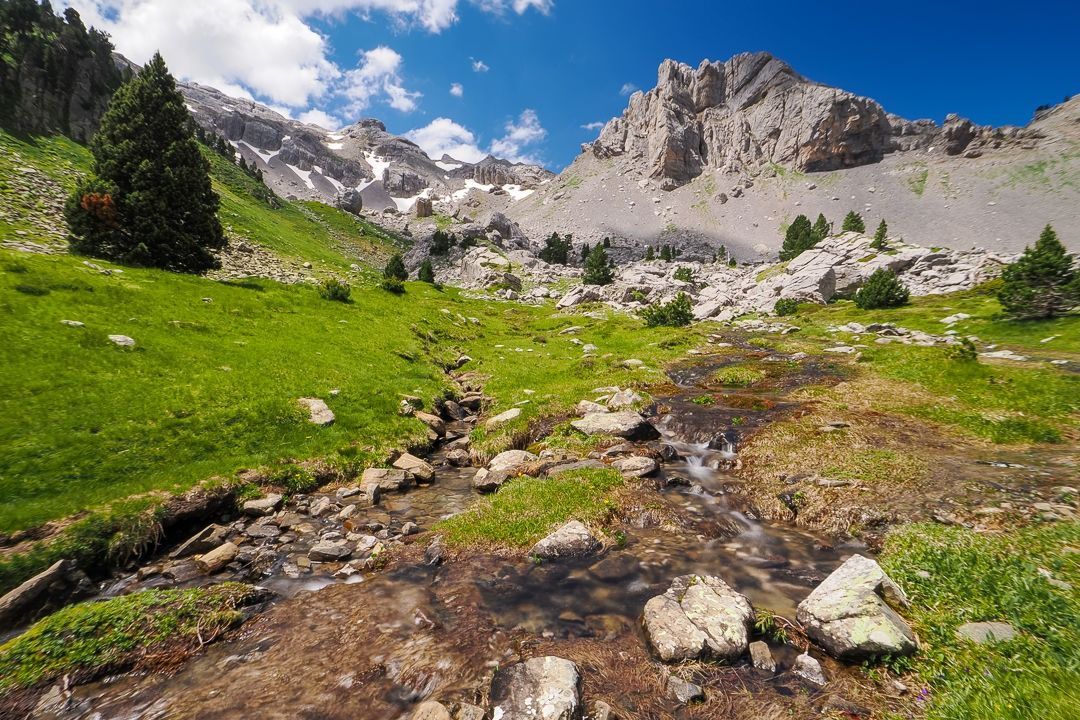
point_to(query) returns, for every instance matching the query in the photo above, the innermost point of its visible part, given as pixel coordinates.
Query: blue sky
(551, 67)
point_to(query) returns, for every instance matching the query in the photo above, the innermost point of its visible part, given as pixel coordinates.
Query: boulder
(351, 201)
(761, 657)
(503, 418)
(623, 399)
(386, 479)
(209, 563)
(201, 542)
(626, 424)
(432, 421)
(318, 412)
(262, 506)
(635, 466)
(330, 551)
(849, 613)
(588, 406)
(809, 669)
(570, 541)
(542, 688)
(424, 207)
(511, 461)
(698, 618)
(15, 604)
(419, 469)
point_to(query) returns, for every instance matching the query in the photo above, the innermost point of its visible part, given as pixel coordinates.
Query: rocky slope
(361, 166)
(728, 153)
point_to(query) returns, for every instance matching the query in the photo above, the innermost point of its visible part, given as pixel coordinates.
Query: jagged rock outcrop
(751, 110)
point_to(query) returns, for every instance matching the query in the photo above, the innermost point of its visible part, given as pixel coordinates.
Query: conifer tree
(426, 272)
(821, 228)
(607, 242)
(879, 236)
(395, 269)
(585, 250)
(665, 253)
(798, 238)
(150, 202)
(556, 249)
(598, 267)
(881, 290)
(853, 222)
(649, 254)
(1043, 282)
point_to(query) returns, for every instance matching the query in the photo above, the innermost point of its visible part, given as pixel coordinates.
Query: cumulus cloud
(457, 90)
(628, 89)
(269, 49)
(521, 136)
(321, 118)
(592, 126)
(443, 136)
(479, 65)
(378, 73)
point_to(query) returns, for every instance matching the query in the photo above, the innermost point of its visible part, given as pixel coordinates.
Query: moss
(94, 638)
(526, 509)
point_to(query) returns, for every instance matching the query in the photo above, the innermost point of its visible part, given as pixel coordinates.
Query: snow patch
(516, 192)
(378, 165)
(305, 175)
(335, 145)
(404, 205)
(265, 155)
(447, 166)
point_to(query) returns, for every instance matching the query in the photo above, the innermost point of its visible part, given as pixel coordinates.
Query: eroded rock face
(542, 688)
(849, 614)
(698, 618)
(749, 111)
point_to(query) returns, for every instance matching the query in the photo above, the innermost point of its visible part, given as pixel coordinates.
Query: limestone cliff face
(749, 111)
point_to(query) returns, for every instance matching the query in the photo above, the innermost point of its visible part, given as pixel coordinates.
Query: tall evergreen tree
(150, 173)
(879, 236)
(649, 254)
(426, 273)
(598, 267)
(585, 250)
(395, 269)
(1043, 282)
(665, 253)
(853, 222)
(798, 238)
(821, 228)
(556, 249)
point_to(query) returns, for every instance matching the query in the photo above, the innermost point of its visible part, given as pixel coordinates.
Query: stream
(373, 645)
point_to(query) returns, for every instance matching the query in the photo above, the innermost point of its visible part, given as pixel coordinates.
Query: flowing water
(372, 647)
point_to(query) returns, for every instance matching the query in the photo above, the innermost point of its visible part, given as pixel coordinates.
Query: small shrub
(293, 479)
(392, 285)
(1043, 283)
(395, 269)
(964, 352)
(786, 306)
(677, 313)
(336, 290)
(426, 273)
(882, 290)
(684, 274)
(880, 236)
(32, 290)
(853, 222)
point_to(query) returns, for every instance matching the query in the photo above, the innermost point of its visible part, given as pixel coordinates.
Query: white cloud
(592, 126)
(378, 73)
(479, 65)
(516, 145)
(268, 49)
(457, 90)
(323, 119)
(628, 89)
(444, 136)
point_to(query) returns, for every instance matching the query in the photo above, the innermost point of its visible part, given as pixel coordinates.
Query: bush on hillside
(557, 249)
(853, 222)
(882, 290)
(879, 236)
(441, 242)
(798, 238)
(334, 289)
(1043, 282)
(393, 285)
(598, 267)
(786, 306)
(395, 269)
(150, 201)
(684, 274)
(426, 273)
(677, 313)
